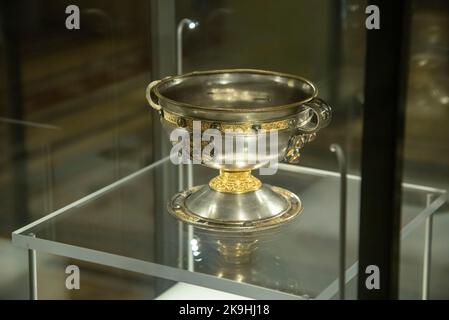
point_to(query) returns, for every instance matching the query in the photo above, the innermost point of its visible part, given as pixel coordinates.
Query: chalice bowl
(236, 115)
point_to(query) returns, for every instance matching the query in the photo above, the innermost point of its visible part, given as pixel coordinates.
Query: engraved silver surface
(256, 205)
(266, 208)
(244, 100)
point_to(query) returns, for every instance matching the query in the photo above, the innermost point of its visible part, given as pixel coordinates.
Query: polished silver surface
(238, 161)
(237, 95)
(261, 204)
(242, 98)
(267, 208)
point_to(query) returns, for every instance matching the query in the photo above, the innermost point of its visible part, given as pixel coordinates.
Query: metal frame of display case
(426, 216)
(163, 63)
(185, 22)
(382, 154)
(24, 239)
(21, 125)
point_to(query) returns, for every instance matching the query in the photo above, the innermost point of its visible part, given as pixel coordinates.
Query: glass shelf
(117, 226)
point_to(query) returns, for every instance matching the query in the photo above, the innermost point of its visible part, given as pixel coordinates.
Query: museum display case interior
(85, 173)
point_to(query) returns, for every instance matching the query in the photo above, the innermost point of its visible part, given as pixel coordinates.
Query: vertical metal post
(163, 56)
(32, 272)
(180, 166)
(427, 260)
(342, 234)
(191, 24)
(383, 135)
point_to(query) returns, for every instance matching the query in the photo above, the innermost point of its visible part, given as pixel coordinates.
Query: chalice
(236, 108)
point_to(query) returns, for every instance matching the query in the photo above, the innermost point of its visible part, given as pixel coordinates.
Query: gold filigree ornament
(187, 123)
(235, 182)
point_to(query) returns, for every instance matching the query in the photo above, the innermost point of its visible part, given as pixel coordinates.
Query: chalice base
(223, 206)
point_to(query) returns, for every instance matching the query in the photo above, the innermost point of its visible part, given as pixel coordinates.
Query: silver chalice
(243, 104)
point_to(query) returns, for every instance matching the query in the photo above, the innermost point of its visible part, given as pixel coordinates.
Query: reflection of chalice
(241, 103)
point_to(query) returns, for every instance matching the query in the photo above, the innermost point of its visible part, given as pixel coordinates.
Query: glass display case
(298, 261)
(87, 175)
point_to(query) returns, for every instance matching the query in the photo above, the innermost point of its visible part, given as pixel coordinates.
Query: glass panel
(426, 146)
(329, 51)
(300, 258)
(72, 113)
(85, 88)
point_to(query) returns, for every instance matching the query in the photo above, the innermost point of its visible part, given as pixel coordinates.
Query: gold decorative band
(235, 182)
(223, 126)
